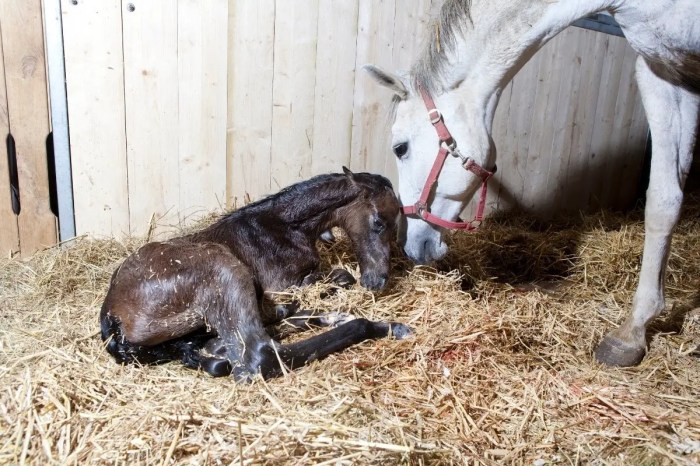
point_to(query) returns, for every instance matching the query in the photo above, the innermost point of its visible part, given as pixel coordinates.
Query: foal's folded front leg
(339, 277)
(306, 319)
(299, 354)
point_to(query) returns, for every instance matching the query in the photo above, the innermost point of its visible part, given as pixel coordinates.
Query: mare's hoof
(342, 278)
(216, 367)
(615, 352)
(401, 331)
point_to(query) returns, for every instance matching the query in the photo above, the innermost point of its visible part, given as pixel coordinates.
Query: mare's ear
(386, 79)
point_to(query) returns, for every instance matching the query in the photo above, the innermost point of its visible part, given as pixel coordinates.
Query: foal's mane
(445, 30)
(309, 198)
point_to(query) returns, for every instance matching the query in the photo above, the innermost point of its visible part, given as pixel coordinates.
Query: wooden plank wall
(146, 85)
(177, 107)
(570, 129)
(298, 103)
(24, 113)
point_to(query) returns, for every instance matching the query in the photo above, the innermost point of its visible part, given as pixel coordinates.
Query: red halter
(447, 146)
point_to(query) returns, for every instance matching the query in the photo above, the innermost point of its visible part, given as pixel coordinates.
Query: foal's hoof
(615, 352)
(216, 367)
(335, 319)
(342, 278)
(327, 237)
(401, 331)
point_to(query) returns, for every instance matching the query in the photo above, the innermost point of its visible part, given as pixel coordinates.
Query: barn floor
(500, 369)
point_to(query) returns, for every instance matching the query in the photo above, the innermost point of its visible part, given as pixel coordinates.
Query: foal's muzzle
(374, 281)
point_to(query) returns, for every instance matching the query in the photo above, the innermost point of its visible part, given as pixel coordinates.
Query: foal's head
(370, 222)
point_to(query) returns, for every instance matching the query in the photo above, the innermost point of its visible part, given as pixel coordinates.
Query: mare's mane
(445, 30)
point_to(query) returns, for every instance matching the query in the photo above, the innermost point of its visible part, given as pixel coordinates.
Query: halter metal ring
(434, 115)
(420, 208)
(450, 146)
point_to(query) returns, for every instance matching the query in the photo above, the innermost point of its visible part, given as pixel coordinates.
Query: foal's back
(276, 236)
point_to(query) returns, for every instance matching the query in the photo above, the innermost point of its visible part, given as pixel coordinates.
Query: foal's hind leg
(673, 118)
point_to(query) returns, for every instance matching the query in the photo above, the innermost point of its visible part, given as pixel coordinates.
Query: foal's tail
(185, 349)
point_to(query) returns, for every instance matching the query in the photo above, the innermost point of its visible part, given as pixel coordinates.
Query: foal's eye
(378, 225)
(400, 149)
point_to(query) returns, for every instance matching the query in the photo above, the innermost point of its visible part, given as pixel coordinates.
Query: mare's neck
(500, 38)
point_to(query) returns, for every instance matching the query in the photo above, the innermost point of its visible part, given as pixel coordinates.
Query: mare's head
(370, 223)
(415, 144)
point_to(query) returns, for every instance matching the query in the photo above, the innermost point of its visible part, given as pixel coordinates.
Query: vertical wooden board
(9, 228)
(560, 119)
(411, 22)
(527, 80)
(92, 35)
(512, 161)
(151, 96)
(574, 50)
(27, 98)
(553, 74)
(574, 175)
(375, 39)
(250, 68)
(293, 86)
(202, 66)
(603, 124)
(335, 81)
(498, 187)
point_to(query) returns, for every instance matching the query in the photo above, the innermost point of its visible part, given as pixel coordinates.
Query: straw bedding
(500, 369)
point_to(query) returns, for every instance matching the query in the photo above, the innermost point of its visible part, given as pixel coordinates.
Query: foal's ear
(386, 79)
(347, 171)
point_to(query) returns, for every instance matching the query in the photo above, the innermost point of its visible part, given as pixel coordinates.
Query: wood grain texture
(152, 124)
(297, 104)
(250, 68)
(27, 103)
(334, 86)
(9, 228)
(202, 68)
(293, 91)
(565, 139)
(92, 35)
(375, 43)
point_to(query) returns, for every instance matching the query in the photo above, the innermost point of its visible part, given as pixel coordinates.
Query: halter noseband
(447, 146)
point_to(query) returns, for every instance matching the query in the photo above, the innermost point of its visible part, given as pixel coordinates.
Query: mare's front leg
(673, 118)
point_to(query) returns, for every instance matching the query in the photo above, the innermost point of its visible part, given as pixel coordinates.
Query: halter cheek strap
(447, 146)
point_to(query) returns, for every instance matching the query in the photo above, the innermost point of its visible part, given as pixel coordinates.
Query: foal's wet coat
(197, 298)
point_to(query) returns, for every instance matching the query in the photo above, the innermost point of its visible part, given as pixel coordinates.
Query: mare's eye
(378, 225)
(400, 149)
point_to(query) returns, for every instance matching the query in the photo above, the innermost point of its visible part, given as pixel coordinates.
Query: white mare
(483, 43)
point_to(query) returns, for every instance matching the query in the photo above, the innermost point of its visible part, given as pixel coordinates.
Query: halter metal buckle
(434, 115)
